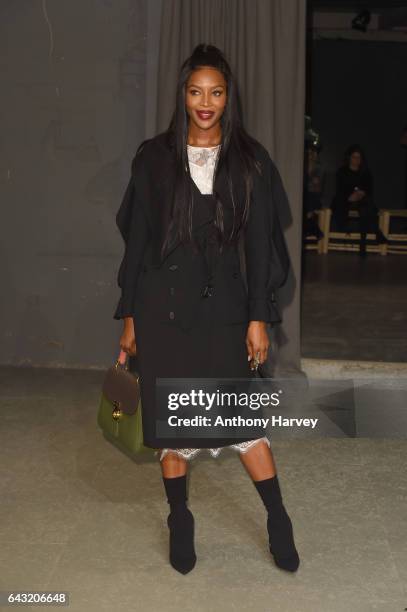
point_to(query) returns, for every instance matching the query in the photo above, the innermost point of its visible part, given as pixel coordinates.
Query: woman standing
(196, 192)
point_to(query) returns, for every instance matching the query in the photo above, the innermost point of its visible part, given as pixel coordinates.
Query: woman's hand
(257, 341)
(128, 337)
(357, 196)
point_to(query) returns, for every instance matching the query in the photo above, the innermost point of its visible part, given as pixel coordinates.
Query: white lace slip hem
(190, 453)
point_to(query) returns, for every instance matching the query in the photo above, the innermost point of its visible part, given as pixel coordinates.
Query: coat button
(172, 315)
(172, 290)
(173, 267)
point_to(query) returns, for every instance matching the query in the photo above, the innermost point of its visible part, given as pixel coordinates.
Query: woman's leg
(180, 520)
(259, 464)
(340, 213)
(362, 227)
(173, 465)
(259, 461)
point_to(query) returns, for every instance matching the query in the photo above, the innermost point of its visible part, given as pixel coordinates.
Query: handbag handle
(122, 359)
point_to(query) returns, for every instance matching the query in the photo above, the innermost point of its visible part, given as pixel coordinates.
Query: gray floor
(77, 515)
(354, 308)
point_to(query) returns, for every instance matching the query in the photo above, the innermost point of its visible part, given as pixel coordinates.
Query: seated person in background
(313, 179)
(354, 191)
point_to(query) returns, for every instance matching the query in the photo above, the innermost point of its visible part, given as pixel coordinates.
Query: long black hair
(233, 135)
(355, 148)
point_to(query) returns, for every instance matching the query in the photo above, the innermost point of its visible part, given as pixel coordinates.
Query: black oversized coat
(170, 289)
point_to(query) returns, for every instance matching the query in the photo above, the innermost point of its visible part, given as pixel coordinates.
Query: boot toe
(290, 564)
(183, 566)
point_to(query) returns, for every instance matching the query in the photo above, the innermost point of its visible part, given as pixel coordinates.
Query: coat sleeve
(267, 261)
(133, 225)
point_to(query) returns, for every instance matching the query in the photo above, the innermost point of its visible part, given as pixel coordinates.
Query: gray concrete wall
(72, 112)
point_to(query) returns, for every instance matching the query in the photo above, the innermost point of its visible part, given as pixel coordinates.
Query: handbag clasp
(117, 412)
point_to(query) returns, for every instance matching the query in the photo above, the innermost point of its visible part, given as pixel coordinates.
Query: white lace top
(202, 162)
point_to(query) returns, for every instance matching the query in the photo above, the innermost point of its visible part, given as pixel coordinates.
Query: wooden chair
(397, 242)
(341, 241)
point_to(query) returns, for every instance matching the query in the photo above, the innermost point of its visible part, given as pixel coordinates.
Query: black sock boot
(279, 526)
(181, 525)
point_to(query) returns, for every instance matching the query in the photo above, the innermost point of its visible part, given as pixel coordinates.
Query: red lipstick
(205, 115)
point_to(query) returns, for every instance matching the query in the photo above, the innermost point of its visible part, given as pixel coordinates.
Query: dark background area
(353, 308)
(359, 94)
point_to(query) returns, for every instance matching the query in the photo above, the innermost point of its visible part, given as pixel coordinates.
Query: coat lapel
(165, 190)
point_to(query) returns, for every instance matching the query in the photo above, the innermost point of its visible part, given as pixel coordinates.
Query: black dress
(168, 350)
(179, 332)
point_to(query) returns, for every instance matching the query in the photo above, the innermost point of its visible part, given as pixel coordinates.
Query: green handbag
(120, 413)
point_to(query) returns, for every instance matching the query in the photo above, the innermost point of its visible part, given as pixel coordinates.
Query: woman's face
(355, 159)
(205, 97)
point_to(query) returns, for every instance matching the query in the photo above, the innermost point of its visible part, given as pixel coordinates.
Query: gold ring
(256, 362)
